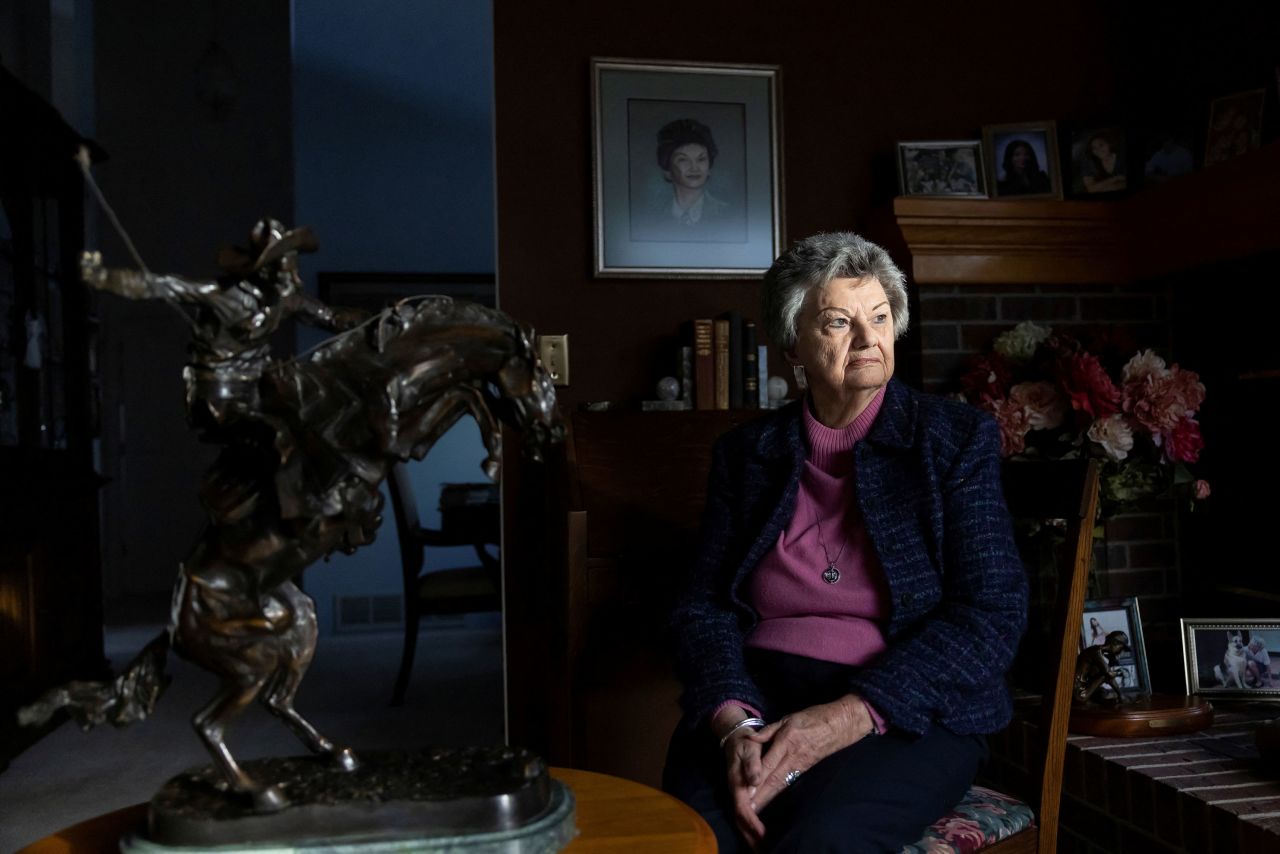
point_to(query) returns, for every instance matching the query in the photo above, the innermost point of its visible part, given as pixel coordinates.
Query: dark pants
(874, 796)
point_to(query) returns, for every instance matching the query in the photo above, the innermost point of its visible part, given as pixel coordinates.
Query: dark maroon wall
(856, 78)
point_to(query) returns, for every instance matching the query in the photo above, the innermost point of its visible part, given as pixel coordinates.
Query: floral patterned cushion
(984, 817)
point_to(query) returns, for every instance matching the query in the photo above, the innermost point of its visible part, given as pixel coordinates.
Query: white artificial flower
(1114, 435)
(1142, 365)
(1019, 343)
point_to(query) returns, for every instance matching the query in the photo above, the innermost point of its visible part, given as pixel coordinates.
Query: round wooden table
(613, 814)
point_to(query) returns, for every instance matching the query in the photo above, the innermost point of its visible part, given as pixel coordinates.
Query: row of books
(724, 367)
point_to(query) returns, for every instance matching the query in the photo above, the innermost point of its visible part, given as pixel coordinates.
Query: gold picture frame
(1022, 160)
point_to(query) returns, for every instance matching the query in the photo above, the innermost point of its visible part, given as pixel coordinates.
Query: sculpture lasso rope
(306, 444)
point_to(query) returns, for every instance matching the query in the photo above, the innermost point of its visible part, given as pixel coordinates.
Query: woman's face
(690, 166)
(1021, 158)
(1100, 147)
(845, 337)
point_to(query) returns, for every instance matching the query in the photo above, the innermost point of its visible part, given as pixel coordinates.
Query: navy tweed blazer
(928, 484)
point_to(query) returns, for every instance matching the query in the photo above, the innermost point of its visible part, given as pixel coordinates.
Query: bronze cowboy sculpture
(305, 446)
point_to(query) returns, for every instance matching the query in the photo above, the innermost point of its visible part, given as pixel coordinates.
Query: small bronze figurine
(1097, 666)
(306, 444)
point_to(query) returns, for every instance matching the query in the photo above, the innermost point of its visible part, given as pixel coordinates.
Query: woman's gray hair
(815, 261)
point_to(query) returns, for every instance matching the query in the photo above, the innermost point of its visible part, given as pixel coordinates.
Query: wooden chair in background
(469, 515)
(1039, 491)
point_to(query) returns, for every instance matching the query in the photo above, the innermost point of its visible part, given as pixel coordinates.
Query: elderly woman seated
(857, 594)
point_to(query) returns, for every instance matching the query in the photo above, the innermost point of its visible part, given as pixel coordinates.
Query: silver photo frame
(952, 169)
(1232, 658)
(687, 180)
(1103, 616)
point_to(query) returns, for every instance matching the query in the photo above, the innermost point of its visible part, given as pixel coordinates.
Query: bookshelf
(1222, 213)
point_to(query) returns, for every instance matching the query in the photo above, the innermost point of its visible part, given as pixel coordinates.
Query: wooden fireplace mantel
(1221, 213)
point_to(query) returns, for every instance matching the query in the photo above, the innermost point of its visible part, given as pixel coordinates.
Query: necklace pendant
(831, 575)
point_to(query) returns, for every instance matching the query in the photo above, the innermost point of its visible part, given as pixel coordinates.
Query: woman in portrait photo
(1022, 173)
(1100, 164)
(686, 154)
(856, 596)
(1097, 635)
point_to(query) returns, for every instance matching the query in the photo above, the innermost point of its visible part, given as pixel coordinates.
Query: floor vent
(368, 613)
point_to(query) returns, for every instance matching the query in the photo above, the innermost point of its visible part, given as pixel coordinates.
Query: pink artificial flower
(1200, 489)
(1141, 366)
(1114, 435)
(1160, 400)
(1043, 401)
(986, 378)
(1087, 385)
(1014, 423)
(1183, 443)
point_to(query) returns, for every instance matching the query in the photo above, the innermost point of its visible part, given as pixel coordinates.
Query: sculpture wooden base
(1159, 714)
(474, 800)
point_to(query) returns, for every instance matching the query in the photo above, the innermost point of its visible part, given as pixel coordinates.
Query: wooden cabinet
(595, 554)
(50, 578)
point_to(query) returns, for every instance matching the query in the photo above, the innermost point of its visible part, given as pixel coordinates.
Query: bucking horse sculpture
(306, 444)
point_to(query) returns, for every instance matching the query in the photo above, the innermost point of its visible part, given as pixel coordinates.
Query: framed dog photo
(942, 169)
(1023, 160)
(1232, 658)
(686, 166)
(1102, 617)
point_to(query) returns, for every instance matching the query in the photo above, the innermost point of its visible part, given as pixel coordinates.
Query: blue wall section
(393, 160)
(393, 133)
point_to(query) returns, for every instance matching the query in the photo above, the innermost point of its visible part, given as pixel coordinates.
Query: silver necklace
(831, 574)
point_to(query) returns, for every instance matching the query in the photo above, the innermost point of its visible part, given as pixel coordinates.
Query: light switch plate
(553, 350)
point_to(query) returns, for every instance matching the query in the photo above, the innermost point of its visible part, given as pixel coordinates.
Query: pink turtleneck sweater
(800, 613)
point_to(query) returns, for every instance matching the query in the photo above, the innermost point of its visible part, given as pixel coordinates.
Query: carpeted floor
(455, 699)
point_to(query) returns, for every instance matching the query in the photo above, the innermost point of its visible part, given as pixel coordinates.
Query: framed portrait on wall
(687, 181)
(1023, 160)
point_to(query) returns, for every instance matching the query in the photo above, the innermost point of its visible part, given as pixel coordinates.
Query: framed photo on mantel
(942, 169)
(1232, 658)
(1023, 160)
(687, 182)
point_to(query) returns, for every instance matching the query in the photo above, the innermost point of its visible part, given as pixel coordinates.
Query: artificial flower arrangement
(1055, 400)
